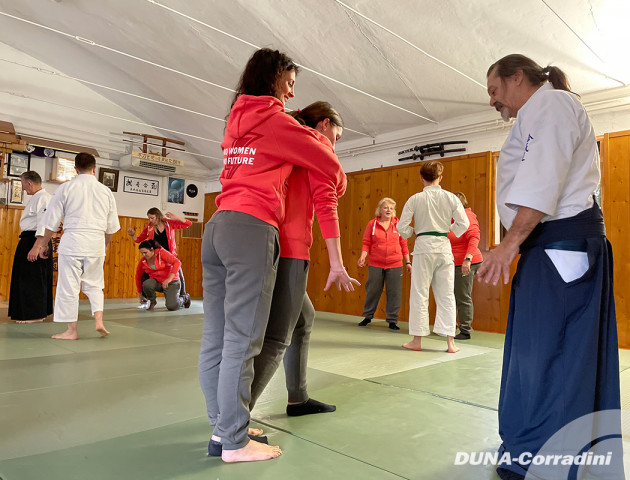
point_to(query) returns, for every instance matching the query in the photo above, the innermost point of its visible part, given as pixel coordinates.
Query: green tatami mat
(414, 434)
(23, 341)
(473, 380)
(178, 452)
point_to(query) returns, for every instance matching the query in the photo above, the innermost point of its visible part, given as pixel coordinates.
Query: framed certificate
(18, 164)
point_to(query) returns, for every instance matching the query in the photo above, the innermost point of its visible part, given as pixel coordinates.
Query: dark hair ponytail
(535, 74)
(149, 244)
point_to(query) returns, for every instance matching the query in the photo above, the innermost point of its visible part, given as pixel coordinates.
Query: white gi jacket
(32, 218)
(88, 210)
(432, 210)
(550, 160)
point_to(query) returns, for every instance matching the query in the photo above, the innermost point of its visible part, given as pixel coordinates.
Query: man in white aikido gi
(88, 210)
(432, 210)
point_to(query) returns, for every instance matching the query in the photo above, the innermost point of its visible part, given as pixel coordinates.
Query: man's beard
(505, 114)
(503, 110)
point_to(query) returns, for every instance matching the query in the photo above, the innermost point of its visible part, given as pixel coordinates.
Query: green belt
(433, 234)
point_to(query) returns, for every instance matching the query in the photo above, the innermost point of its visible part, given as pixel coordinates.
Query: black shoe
(364, 322)
(393, 326)
(186, 299)
(462, 336)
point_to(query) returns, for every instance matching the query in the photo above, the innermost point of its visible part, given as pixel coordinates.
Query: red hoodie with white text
(296, 231)
(260, 148)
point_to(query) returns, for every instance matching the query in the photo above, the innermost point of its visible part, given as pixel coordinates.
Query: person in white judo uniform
(90, 219)
(432, 211)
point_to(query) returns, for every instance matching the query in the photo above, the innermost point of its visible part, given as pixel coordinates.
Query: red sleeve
(176, 224)
(303, 148)
(403, 245)
(326, 188)
(172, 260)
(472, 235)
(143, 235)
(367, 237)
(139, 272)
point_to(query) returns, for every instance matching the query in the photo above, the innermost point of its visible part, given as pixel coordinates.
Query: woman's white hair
(382, 202)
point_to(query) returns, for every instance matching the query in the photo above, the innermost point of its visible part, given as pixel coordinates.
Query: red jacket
(468, 242)
(385, 248)
(165, 264)
(170, 226)
(260, 148)
(296, 230)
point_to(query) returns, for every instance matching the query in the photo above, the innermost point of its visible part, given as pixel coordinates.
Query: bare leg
(450, 341)
(100, 328)
(70, 334)
(415, 344)
(252, 452)
(30, 321)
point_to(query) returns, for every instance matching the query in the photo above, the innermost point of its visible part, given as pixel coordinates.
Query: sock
(309, 407)
(216, 448)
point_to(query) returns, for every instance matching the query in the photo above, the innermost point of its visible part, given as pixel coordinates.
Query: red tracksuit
(296, 230)
(260, 148)
(385, 248)
(165, 264)
(170, 226)
(468, 242)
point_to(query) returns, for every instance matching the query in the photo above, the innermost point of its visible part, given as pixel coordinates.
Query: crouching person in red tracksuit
(161, 266)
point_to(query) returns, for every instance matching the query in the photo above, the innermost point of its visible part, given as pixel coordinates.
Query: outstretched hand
(497, 262)
(341, 279)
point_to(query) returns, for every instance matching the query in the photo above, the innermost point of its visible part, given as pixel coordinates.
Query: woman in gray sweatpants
(240, 247)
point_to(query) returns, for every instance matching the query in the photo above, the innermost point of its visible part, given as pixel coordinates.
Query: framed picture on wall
(18, 164)
(109, 178)
(15, 195)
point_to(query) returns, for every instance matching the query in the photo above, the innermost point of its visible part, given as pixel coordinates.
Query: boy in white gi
(88, 210)
(432, 210)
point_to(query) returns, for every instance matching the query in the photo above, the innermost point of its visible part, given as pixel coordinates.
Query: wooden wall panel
(10, 228)
(471, 174)
(616, 207)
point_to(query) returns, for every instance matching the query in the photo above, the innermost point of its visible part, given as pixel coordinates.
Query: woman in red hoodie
(386, 249)
(292, 314)
(240, 248)
(161, 228)
(161, 268)
(468, 259)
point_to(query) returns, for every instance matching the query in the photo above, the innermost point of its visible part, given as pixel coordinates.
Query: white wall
(130, 204)
(482, 132)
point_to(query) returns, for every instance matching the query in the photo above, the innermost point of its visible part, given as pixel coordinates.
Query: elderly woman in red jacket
(467, 261)
(387, 250)
(161, 266)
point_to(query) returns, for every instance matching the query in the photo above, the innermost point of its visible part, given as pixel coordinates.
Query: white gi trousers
(76, 274)
(434, 270)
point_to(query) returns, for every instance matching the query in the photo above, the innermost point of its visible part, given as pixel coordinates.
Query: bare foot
(415, 344)
(67, 335)
(412, 346)
(30, 321)
(252, 452)
(256, 432)
(102, 331)
(450, 341)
